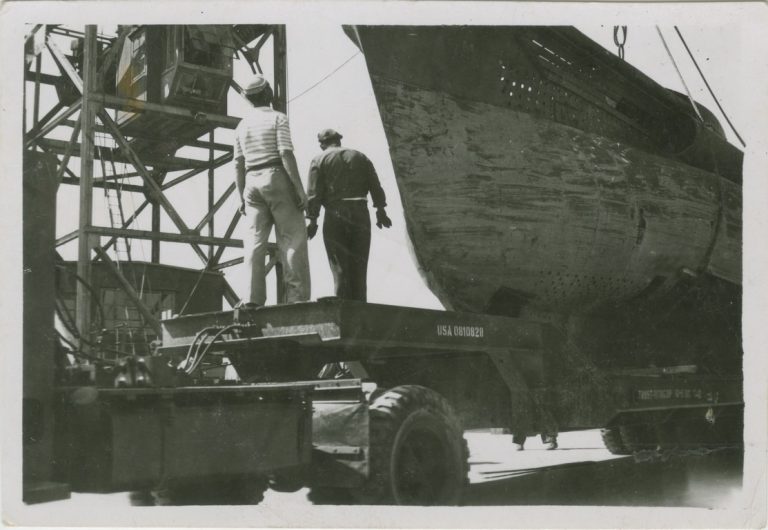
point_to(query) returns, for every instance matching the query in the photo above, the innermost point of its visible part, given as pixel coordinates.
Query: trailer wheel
(638, 437)
(329, 495)
(418, 454)
(613, 442)
(242, 491)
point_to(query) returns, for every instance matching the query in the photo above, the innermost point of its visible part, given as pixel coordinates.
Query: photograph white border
(749, 512)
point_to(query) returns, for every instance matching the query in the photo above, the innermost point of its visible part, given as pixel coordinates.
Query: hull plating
(542, 177)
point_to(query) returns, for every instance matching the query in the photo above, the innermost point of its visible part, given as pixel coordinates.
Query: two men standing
(272, 194)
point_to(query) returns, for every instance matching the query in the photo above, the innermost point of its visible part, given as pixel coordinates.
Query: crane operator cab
(182, 66)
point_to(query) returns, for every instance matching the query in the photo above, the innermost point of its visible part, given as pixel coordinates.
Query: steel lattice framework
(83, 106)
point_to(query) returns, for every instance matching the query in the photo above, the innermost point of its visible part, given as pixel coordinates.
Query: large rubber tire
(613, 442)
(418, 455)
(638, 436)
(330, 495)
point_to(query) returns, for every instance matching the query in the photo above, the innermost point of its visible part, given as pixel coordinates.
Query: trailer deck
(360, 328)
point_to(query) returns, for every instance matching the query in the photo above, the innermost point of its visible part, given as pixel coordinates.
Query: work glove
(381, 218)
(312, 228)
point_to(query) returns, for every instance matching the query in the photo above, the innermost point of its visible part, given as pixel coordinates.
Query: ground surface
(581, 472)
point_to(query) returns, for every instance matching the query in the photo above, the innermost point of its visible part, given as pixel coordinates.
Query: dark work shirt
(339, 173)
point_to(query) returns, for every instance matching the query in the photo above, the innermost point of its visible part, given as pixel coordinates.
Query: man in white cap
(271, 193)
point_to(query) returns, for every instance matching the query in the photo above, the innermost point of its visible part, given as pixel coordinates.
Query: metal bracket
(349, 451)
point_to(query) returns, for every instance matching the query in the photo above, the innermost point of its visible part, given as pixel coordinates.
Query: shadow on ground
(693, 480)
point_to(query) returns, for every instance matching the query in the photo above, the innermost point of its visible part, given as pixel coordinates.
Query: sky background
(329, 86)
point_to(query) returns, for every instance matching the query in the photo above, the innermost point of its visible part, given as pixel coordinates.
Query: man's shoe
(518, 447)
(551, 445)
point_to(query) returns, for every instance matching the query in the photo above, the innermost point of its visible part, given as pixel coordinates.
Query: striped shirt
(261, 135)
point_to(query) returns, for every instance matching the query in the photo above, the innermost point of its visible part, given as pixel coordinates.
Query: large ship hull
(527, 194)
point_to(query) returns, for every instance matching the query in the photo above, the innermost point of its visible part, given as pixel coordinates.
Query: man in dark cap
(340, 180)
(271, 194)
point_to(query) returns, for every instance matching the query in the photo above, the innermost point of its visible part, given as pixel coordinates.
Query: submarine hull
(513, 209)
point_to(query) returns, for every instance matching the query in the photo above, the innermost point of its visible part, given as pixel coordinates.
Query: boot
(549, 441)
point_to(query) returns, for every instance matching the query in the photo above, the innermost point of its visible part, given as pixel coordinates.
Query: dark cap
(327, 135)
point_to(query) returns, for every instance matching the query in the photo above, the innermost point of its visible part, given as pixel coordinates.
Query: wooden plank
(230, 295)
(136, 105)
(68, 151)
(227, 264)
(35, 134)
(103, 184)
(223, 159)
(49, 115)
(46, 79)
(215, 208)
(170, 163)
(64, 65)
(165, 236)
(207, 145)
(67, 238)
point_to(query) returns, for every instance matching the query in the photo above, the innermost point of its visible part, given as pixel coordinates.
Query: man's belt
(276, 162)
(346, 201)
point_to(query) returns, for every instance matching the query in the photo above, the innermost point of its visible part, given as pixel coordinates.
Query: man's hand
(381, 218)
(312, 228)
(301, 200)
(241, 209)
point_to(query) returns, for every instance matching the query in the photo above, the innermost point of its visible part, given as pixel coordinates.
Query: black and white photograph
(384, 264)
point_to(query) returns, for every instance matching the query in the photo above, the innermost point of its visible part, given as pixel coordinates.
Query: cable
(94, 295)
(324, 78)
(696, 64)
(78, 353)
(196, 363)
(200, 336)
(67, 321)
(210, 345)
(680, 75)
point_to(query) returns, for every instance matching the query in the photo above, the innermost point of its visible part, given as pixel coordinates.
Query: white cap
(255, 84)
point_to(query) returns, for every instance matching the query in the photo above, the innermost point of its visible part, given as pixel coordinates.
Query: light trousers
(270, 200)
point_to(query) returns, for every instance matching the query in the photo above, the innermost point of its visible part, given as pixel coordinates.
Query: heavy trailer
(389, 429)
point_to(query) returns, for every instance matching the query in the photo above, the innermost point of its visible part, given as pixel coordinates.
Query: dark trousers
(347, 235)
